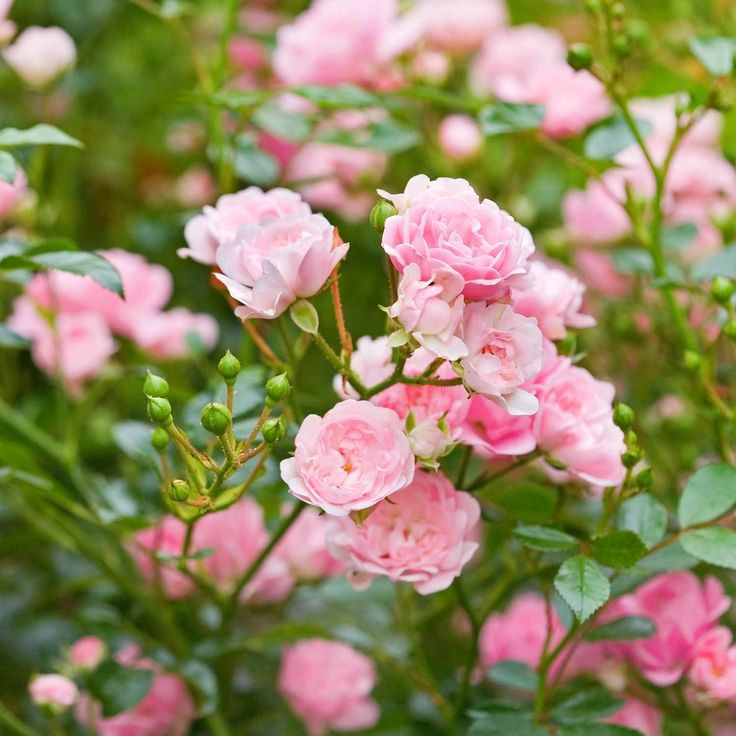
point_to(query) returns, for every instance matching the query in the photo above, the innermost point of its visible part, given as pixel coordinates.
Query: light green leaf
(709, 493)
(618, 549)
(715, 53)
(10, 339)
(254, 165)
(389, 135)
(281, 123)
(715, 545)
(626, 628)
(507, 117)
(611, 136)
(8, 167)
(38, 135)
(722, 263)
(645, 516)
(340, 96)
(544, 538)
(305, 316)
(513, 674)
(583, 586)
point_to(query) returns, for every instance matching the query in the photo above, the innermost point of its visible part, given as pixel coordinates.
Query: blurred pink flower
(39, 55)
(327, 684)
(86, 653)
(11, 192)
(55, 691)
(713, 669)
(460, 137)
(195, 187)
(640, 716)
(166, 335)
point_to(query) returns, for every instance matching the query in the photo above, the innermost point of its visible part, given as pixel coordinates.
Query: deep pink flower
(640, 716)
(39, 55)
(494, 433)
(713, 669)
(350, 459)
(55, 691)
(328, 684)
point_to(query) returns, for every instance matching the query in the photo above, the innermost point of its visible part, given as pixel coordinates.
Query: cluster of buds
(623, 416)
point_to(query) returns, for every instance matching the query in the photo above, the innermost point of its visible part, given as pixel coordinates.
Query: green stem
(8, 718)
(463, 692)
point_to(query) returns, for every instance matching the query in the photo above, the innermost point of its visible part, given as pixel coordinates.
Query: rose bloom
(11, 192)
(168, 707)
(86, 653)
(350, 459)
(39, 55)
(423, 535)
(554, 297)
(167, 335)
(493, 433)
(430, 66)
(7, 27)
(220, 223)
(505, 350)
(460, 137)
(431, 311)
(683, 609)
(713, 669)
(574, 423)
(335, 42)
(55, 691)
(640, 716)
(444, 224)
(195, 187)
(327, 684)
(600, 273)
(371, 362)
(270, 265)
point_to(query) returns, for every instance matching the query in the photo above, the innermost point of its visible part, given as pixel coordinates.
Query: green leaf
(507, 117)
(611, 136)
(234, 99)
(10, 339)
(626, 628)
(671, 557)
(722, 263)
(118, 688)
(618, 549)
(645, 516)
(203, 682)
(679, 236)
(505, 724)
(715, 53)
(305, 316)
(281, 123)
(389, 135)
(583, 586)
(586, 705)
(528, 502)
(715, 545)
(8, 167)
(597, 729)
(513, 674)
(340, 96)
(709, 493)
(38, 135)
(633, 260)
(544, 538)
(254, 165)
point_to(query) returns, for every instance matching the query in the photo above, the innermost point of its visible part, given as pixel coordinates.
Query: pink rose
(270, 265)
(444, 224)
(335, 42)
(11, 192)
(220, 224)
(168, 708)
(640, 716)
(460, 137)
(430, 66)
(431, 311)
(350, 459)
(600, 273)
(7, 27)
(166, 335)
(554, 297)
(195, 187)
(492, 432)
(423, 535)
(371, 362)
(86, 653)
(574, 423)
(54, 691)
(505, 351)
(683, 610)
(327, 684)
(713, 669)
(39, 55)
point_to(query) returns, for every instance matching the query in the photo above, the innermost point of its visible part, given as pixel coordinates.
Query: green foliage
(618, 549)
(709, 493)
(506, 117)
(610, 137)
(583, 586)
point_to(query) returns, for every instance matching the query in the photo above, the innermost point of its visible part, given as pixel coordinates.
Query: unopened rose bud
(277, 388)
(623, 416)
(216, 418)
(580, 56)
(274, 430)
(56, 692)
(229, 368)
(179, 490)
(159, 409)
(621, 45)
(159, 439)
(381, 211)
(155, 385)
(305, 316)
(722, 288)
(644, 478)
(631, 457)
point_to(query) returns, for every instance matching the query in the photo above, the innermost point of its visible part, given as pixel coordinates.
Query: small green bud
(644, 478)
(623, 416)
(618, 10)
(305, 316)
(722, 288)
(155, 385)
(621, 45)
(159, 409)
(229, 368)
(580, 56)
(277, 388)
(729, 329)
(160, 439)
(692, 360)
(179, 490)
(274, 430)
(381, 211)
(216, 418)
(631, 457)
(592, 6)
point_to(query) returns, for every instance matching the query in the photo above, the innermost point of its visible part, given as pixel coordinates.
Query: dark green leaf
(281, 123)
(513, 674)
(340, 96)
(626, 628)
(8, 167)
(645, 516)
(10, 339)
(709, 493)
(507, 117)
(118, 688)
(38, 135)
(612, 136)
(715, 545)
(505, 724)
(715, 54)
(203, 682)
(722, 263)
(583, 586)
(597, 729)
(618, 549)
(544, 538)
(528, 502)
(583, 706)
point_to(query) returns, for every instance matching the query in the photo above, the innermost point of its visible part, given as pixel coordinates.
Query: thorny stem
(345, 340)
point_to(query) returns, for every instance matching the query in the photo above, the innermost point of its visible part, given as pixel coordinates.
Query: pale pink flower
(86, 653)
(335, 42)
(39, 55)
(11, 192)
(371, 361)
(431, 66)
(504, 351)
(431, 311)
(246, 53)
(460, 137)
(494, 433)
(167, 335)
(7, 27)
(350, 459)
(640, 716)
(683, 609)
(443, 224)
(554, 297)
(713, 669)
(54, 691)
(600, 273)
(423, 535)
(328, 684)
(195, 187)
(272, 264)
